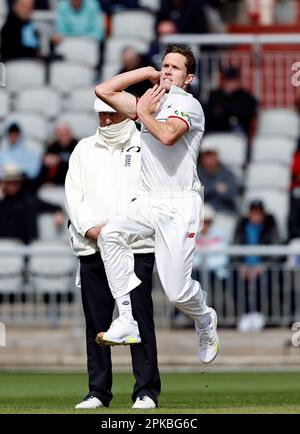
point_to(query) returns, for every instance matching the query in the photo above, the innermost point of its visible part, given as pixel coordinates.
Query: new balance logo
(190, 234)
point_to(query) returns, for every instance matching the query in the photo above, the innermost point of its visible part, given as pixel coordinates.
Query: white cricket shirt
(173, 168)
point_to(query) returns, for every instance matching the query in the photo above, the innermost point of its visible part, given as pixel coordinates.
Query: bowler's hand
(150, 101)
(154, 76)
(94, 232)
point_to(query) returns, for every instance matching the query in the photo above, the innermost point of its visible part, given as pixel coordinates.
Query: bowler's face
(174, 72)
(107, 118)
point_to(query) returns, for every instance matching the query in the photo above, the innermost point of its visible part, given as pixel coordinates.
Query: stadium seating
(22, 74)
(231, 147)
(80, 49)
(268, 175)
(115, 45)
(81, 123)
(273, 149)
(81, 99)
(67, 76)
(227, 223)
(11, 266)
(53, 194)
(44, 100)
(48, 231)
(109, 70)
(279, 121)
(136, 23)
(150, 4)
(51, 273)
(33, 125)
(276, 203)
(4, 104)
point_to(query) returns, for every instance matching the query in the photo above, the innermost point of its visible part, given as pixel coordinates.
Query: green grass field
(181, 393)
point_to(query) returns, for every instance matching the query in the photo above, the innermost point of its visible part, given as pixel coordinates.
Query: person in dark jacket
(56, 159)
(19, 208)
(220, 185)
(294, 215)
(19, 35)
(189, 16)
(257, 228)
(230, 107)
(254, 277)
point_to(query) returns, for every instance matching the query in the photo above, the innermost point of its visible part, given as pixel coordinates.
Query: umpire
(103, 175)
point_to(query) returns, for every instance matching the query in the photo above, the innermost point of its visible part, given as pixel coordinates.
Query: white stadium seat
(22, 74)
(11, 266)
(53, 194)
(231, 147)
(268, 175)
(273, 149)
(226, 222)
(279, 121)
(110, 69)
(4, 103)
(276, 203)
(81, 99)
(153, 5)
(44, 100)
(37, 146)
(79, 49)
(133, 23)
(115, 44)
(33, 125)
(67, 76)
(51, 273)
(81, 123)
(47, 229)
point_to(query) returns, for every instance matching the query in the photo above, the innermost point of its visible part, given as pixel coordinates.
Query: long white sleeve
(80, 214)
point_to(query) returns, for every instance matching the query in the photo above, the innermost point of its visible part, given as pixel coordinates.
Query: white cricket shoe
(121, 332)
(144, 402)
(89, 403)
(208, 341)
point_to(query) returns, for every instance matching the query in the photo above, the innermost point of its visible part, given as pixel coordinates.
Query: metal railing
(264, 72)
(273, 290)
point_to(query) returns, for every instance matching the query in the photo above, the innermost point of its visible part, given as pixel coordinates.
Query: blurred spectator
(19, 35)
(78, 18)
(163, 28)
(220, 185)
(294, 216)
(211, 238)
(257, 228)
(20, 208)
(56, 158)
(14, 151)
(230, 108)
(189, 16)
(131, 59)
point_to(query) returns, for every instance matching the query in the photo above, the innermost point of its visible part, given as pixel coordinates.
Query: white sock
(124, 306)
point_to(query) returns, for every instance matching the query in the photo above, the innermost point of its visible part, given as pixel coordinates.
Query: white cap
(100, 106)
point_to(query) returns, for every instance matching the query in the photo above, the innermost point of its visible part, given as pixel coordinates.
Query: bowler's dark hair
(184, 51)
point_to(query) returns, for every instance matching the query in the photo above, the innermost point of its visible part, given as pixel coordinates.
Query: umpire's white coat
(102, 179)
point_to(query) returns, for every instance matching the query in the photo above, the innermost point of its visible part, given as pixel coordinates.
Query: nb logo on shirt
(190, 234)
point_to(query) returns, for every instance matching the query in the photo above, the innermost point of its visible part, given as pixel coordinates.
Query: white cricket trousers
(173, 219)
